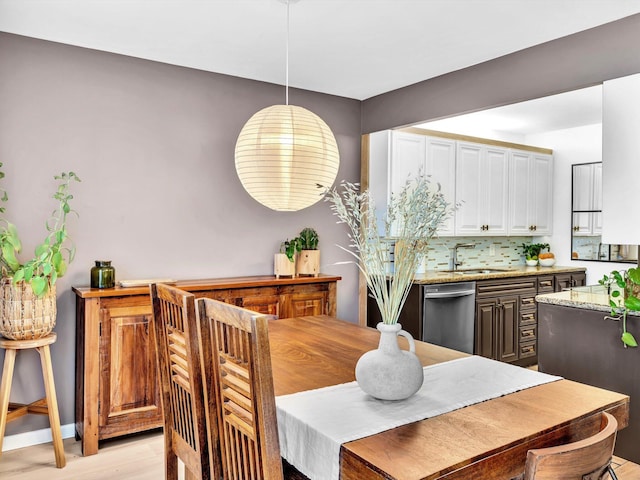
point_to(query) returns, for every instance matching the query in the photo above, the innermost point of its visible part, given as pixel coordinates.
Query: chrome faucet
(453, 262)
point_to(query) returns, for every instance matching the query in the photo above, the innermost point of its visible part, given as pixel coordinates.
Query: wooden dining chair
(239, 389)
(183, 402)
(588, 459)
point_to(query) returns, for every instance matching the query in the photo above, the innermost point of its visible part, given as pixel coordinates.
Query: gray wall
(154, 147)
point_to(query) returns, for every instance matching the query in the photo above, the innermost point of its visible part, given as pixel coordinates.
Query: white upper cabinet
(412, 153)
(408, 158)
(482, 186)
(530, 193)
(587, 199)
(441, 167)
(499, 191)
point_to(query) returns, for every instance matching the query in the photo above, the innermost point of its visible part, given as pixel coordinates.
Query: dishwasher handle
(459, 293)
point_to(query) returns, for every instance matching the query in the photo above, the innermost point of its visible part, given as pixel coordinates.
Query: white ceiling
(350, 48)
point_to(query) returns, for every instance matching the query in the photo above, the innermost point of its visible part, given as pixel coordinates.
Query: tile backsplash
(488, 251)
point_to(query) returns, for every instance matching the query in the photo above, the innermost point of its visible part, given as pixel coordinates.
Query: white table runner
(313, 424)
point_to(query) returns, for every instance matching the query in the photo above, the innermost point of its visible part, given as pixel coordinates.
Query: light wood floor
(138, 457)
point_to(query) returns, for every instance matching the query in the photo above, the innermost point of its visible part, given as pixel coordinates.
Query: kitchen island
(576, 342)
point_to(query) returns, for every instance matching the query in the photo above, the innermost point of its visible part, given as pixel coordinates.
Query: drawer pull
(528, 333)
(528, 316)
(528, 300)
(546, 283)
(528, 349)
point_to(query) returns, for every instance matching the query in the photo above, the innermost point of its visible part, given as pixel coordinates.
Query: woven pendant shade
(282, 154)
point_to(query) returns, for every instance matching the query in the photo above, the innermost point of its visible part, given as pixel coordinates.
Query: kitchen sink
(476, 271)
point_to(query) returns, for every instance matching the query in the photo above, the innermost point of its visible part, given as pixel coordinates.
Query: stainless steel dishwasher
(448, 317)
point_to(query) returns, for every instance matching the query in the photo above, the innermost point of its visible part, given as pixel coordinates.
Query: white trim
(35, 437)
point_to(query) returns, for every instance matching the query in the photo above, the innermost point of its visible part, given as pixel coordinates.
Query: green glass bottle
(103, 275)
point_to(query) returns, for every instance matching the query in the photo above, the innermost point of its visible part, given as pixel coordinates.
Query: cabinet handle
(527, 349)
(528, 300)
(546, 283)
(529, 316)
(527, 333)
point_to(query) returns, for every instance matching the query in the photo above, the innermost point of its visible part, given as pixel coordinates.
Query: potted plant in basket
(28, 302)
(308, 262)
(284, 262)
(623, 299)
(412, 218)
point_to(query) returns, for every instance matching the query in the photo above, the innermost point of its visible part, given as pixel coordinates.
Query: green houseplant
(284, 262)
(308, 262)
(531, 251)
(622, 287)
(28, 298)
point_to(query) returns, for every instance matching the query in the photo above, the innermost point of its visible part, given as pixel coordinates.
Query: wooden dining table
(487, 440)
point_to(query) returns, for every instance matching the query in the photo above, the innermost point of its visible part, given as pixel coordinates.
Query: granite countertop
(439, 276)
(591, 297)
(584, 297)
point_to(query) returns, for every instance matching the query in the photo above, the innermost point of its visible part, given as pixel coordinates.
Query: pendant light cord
(287, 61)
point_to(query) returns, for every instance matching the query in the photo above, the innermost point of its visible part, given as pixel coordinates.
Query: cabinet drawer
(528, 350)
(528, 301)
(527, 318)
(546, 284)
(492, 288)
(528, 333)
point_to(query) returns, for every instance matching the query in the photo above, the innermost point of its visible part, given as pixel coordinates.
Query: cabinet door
(129, 397)
(407, 158)
(481, 189)
(486, 342)
(541, 198)
(300, 304)
(266, 304)
(441, 167)
(508, 328)
(583, 187)
(520, 192)
(407, 162)
(495, 183)
(469, 218)
(563, 281)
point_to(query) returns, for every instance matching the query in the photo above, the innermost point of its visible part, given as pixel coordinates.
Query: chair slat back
(179, 367)
(587, 459)
(242, 384)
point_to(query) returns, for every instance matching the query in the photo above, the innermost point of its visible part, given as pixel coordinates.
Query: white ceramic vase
(389, 373)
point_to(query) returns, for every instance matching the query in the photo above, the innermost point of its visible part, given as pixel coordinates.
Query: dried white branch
(412, 218)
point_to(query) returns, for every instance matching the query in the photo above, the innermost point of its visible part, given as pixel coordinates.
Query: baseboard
(35, 437)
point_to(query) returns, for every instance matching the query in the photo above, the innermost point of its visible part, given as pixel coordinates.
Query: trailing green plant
(291, 247)
(620, 286)
(412, 218)
(53, 255)
(308, 239)
(532, 250)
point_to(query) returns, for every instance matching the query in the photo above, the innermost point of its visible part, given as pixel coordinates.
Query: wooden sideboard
(116, 380)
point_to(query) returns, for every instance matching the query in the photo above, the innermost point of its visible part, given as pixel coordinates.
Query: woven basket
(23, 316)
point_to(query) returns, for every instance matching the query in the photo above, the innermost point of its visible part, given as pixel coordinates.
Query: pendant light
(285, 152)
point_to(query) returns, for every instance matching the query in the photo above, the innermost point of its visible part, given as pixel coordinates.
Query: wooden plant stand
(48, 405)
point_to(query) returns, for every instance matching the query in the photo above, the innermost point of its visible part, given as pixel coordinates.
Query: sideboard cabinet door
(129, 394)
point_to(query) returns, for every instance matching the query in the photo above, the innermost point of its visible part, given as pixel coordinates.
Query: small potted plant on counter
(531, 252)
(623, 288)
(308, 262)
(284, 262)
